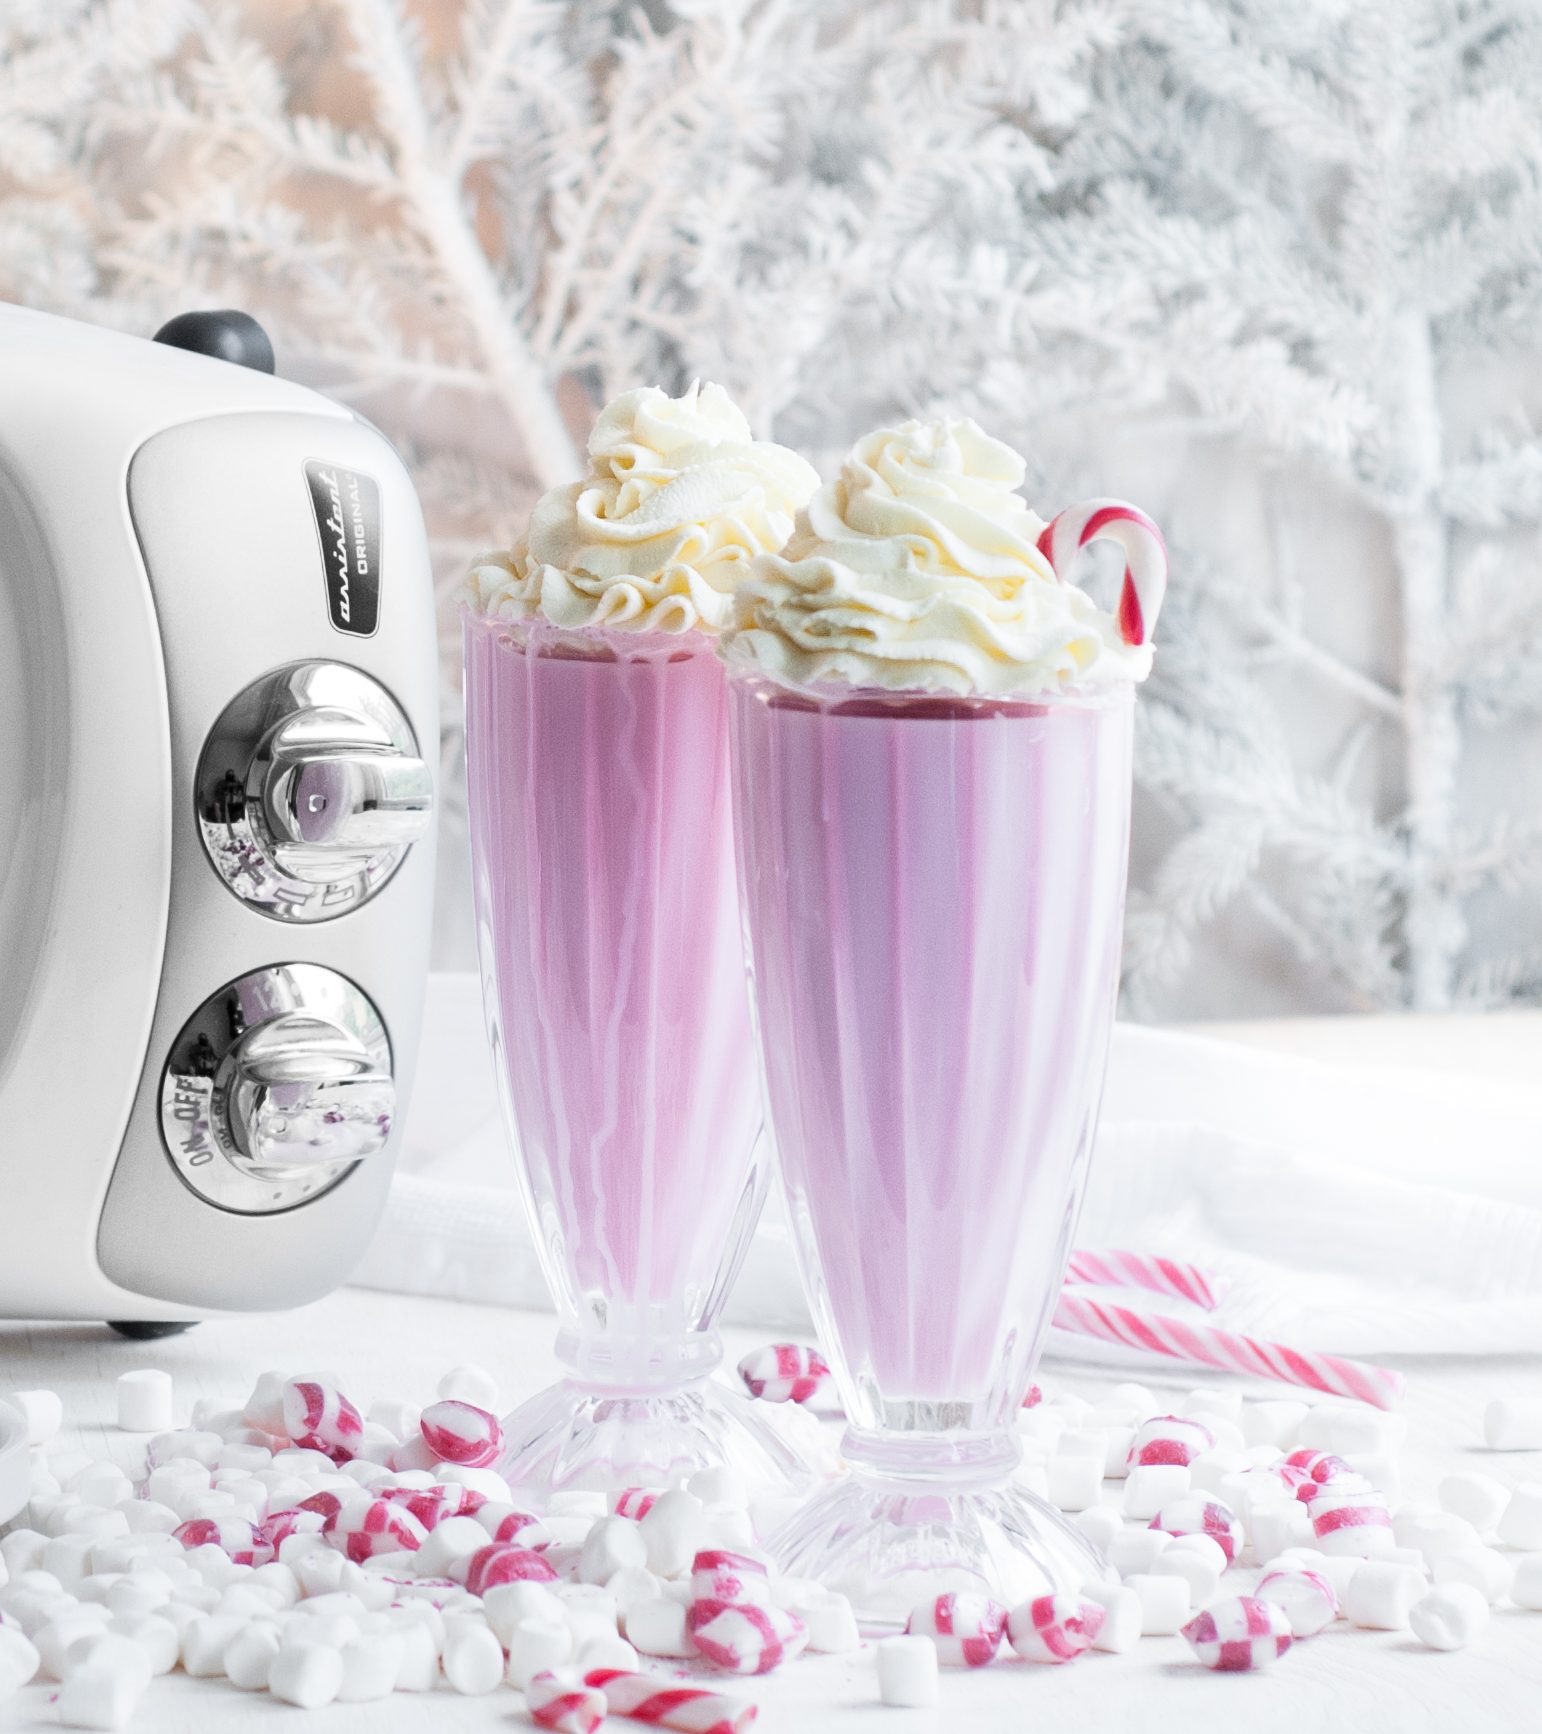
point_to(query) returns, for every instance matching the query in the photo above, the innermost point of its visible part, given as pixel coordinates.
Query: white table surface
(1350, 1681)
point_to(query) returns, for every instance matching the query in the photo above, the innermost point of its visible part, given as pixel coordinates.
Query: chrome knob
(305, 1093)
(311, 790)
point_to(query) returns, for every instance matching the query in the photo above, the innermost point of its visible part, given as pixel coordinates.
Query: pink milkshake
(608, 928)
(931, 749)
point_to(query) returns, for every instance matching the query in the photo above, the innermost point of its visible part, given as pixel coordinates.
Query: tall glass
(613, 981)
(933, 892)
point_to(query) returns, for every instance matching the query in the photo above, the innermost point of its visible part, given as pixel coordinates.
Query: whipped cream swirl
(918, 569)
(678, 502)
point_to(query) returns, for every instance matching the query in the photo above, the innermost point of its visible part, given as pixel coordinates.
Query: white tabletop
(1357, 1682)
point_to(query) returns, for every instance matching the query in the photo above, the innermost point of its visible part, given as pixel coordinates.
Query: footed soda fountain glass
(608, 931)
(933, 887)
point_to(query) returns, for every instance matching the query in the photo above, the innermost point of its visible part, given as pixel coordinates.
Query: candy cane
(687, 1709)
(1144, 1270)
(1336, 1374)
(1145, 557)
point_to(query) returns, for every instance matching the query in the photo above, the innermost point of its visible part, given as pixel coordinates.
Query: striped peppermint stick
(1211, 1347)
(1144, 1270)
(563, 1703)
(1145, 557)
(687, 1709)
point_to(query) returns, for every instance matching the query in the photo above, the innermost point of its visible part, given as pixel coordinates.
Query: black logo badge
(347, 508)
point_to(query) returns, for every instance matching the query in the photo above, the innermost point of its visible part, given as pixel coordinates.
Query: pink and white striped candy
(1314, 1470)
(461, 1433)
(1145, 557)
(278, 1526)
(362, 1531)
(720, 1576)
(1169, 1439)
(745, 1637)
(320, 1418)
(503, 1562)
(1202, 1514)
(432, 1505)
(564, 1703)
(1054, 1628)
(668, 1704)
(1345, 1522)
(504, 1524)
(632, 1502)
(1118, 1269)
(966, 1627)
(1034, 1397)
(1309, 1600)
(241, 1541)
(785, 1373)
(1239, 1634)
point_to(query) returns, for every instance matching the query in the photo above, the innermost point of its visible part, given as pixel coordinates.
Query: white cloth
(1352, 1209)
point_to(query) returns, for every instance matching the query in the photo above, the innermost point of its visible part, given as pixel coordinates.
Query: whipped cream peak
(918, 568)
(680, 499)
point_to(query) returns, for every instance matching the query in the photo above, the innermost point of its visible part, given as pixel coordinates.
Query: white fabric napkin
(1353, 1209)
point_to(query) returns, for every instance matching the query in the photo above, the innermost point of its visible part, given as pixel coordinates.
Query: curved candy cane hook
(1145, 557)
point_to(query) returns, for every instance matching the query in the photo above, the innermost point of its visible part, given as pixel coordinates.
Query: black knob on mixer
(225, 333)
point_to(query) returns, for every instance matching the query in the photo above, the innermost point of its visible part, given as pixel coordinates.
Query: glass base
(888, 1545)
(572, 1438)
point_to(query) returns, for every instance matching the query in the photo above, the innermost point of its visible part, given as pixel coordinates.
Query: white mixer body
(218, 710)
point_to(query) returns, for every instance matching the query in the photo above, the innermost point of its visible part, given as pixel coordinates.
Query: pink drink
(608, 927)
(933, 893)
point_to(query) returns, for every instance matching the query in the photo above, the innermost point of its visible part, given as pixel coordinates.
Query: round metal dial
(310, 791)
(275, 1088)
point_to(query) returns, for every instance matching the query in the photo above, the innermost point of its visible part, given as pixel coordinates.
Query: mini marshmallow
(539, 1646)
(1526, 1586)
(1083, 1442)
(1164, 1603)
(417, 1657)
(1239, 1635)
(451, 1541)
(1520, 1524)
(468, 1384)
(1195, 1514)
(830, 1623)
(1199, 1573)
(204, 1643)
(564, 1703)
(248, 1657)
(674, 1529)
(1380, 1595)
(614, 1544)
(1480, 1499)
(19, 1659)
(1485, 1570)
(1133, 1550)
(657, 1627)
(1449, 1616)
(1272, 1529)
(1054, 1628)
(907, 1672)
(145, 1401)
(1169, 1440)
(1074, 1483)
(1100, 1525)
(1307, 1597)
(98, 1698)
(966, 1627)
(307, 1676)
(1117, 1439)
(1509, 1426)
(1150, 1486)
(717, 1485)
(43, 1411)
(1132, 1402)
(632, 1584)
(153, 1634)
(1120, 1629)
(1434, 1533)
(508, 1605)
(473, 1659)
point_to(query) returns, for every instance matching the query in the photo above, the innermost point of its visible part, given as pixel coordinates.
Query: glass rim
(831, 697)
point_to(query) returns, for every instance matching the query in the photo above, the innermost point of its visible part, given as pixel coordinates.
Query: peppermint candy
(671, 1703)
(745, 1637)
(461, 1433)
(1054, 1628)
(785, 1373)
(1200, 1514)
(1169, 1439)
(632, 1502)
(1239, 1634)
(240, 1541)
(565, 1704)
(319, 1417)
(966, 1627)
(503, 1562)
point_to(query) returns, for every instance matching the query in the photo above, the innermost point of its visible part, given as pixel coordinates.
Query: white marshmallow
(613, 1545)
(19, 1660)
(1211, 1468)
(1526, 1586)
(1150, 1486)
(537, 1647)
(1380, 1595)
(1271, 1529)
(22, 1549)
(658, 1628)
(1434, 1533)
(1512, 1426)
(509, 1605)
(1074, 1483)
(1118, 1436)
(1135, 1403)
(674, 1532)
(632, 1584)
(718, 1485)
(455, 1539)
(1449, 1617)
(830, 1623)
(204, 1643)
(43, 1412)
(308, 1676)
(1478, 1498)
(1100, 1524)
(1488, 1572)
(104, 1652)
(249, 1656)
(473, 1659)
(1122, 1616)
(470, 1384)
(1224, 1401)
(1304, 1593)
(369, 1668)
(1520, 1526)
(488, 1482)
(907, 1672)
(417, 1657)
(1134, 1550)
(606, 1650)
(1164, 1603)
(98, 1698)
(1199, 1573)
(155, 1635)
(145, 1401)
